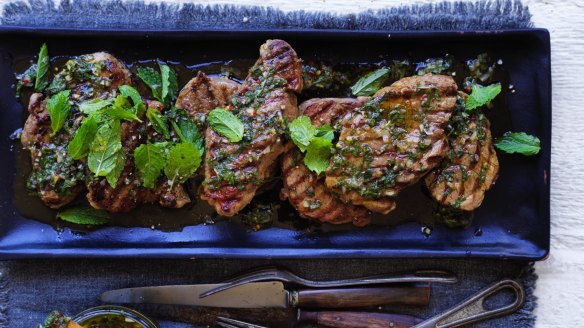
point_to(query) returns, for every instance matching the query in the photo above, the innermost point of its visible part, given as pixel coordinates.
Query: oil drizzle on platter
(414, 203)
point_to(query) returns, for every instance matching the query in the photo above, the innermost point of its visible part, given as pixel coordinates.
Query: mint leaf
(370, 83)
(188, 131)
(79, 145)
(122, 114)
(301, 132)
(120, 162)
(183, 160)
(153, 80)
(59, 108)
(41, 80)
(159, 122)
(119, 111)
(318, 154)
(84, 215)
(129, 92)
(226, 124)
(326, 132)
(480, 95)
(92, 106)
(519, 142)
(169, 84)
(150, 161)
(103, 152)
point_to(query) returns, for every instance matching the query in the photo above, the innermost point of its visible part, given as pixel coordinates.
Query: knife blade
(271, 295)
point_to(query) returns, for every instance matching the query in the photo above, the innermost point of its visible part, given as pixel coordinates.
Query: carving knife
(272, 295)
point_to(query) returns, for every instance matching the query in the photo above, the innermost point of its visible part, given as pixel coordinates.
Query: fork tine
(231, 323)
(252, 272)
(225, 325)
(259, 275)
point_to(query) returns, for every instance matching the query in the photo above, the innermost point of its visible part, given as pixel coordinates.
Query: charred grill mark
(392, 141)
(470, 168)
(306, 191)
(235, 171)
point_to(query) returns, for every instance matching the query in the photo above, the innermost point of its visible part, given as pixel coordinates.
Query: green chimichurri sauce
(258, 125)
(322, 79)
(56, 169)
(111, 321)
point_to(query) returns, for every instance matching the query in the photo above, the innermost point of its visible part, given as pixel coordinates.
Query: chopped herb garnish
(26, 79)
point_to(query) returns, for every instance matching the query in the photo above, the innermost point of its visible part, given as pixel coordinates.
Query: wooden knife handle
(361, 297)
(339, 319)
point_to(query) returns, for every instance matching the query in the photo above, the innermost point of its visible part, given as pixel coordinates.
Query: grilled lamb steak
(470, 167)
(56, 177)
(305, 189)
(202, 94)
(392, 141)
(129, 192)
(197, 98)
(235, 170)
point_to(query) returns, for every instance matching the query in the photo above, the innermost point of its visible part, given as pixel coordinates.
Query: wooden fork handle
(340, 319)
(361, 297)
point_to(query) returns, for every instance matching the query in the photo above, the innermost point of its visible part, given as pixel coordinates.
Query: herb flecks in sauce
(434, 66)
(260, 217)
(85, 77)
(390, 120)
(111, 321)
(247, 106)
(318, 77)
(452, 217)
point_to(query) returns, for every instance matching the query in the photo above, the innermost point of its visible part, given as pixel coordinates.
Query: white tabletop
(560, 287)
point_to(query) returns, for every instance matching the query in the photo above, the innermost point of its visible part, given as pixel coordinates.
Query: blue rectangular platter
(514, 220)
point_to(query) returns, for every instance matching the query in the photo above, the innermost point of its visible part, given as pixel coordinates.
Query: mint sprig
(59, 108)
(226, 124)
(302, 131)
(150, 160)
(42, 69)
(370, 83)
(315, 142)
(481, 96)
(520, 143)
(85, 215)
